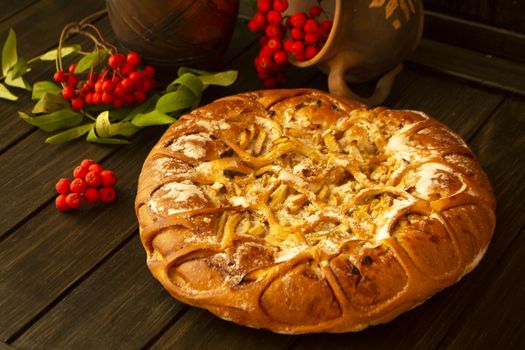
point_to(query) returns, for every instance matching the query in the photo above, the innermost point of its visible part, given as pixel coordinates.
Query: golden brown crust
(298, 211)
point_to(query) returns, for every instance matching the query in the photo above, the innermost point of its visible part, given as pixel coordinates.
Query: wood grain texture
(118, 307)
(505, 330)
(10, 7)
(38, 26)
(4, 346)
(510, 14)
(23, 299)
(127, 160)
(478, 10)
(474, 36)
(41, 250)
(46, 161)
(198, 329)
(486, 70)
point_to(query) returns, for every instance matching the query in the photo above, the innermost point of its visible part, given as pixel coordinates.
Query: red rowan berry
(78, 185)
(315, 11)
(72, 80)
(68, 92)
(311, 26)
(72, 68)
(73, 200)
(253, 26)
(133, 59)
(61, 203)
(273, 31)
(109, 179)
(260, 19)
(96, 167)
(107, 194)
(86, 163)
(93, 178)
(264, 5)
(312, 38)
(107, 98)
(299, 19)
(60, 77)
(297, 48)
(280, 57)
(91, 195)
(297, 34)
(62, 186)
(274, 17)
(280, 5)
(77, 103)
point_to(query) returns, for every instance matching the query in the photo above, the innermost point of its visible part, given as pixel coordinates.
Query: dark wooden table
(79, 280)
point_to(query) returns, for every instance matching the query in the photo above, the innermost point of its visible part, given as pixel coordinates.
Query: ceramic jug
(369, 40)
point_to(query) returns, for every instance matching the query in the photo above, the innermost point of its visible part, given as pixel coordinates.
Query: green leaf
(64, 118)
(9, 56)
(20, 68)
(42, 87)
(70, 134)
(102, 125)
(91, 60)
(225, 78)
(50, 103)
(92, 137)
(6, 94)
(141, 108)
(51, 55)
(175, 101)
(188, 80)
(155, 117)
(19, 82)
(124, 128)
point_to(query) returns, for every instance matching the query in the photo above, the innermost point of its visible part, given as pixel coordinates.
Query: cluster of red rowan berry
(91, 184)
(307, 35)
(120, 84)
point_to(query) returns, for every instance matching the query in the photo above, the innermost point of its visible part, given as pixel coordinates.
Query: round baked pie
(298, 211)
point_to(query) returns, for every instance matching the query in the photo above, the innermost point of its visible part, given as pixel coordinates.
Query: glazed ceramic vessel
(172, 33)
(369, 40)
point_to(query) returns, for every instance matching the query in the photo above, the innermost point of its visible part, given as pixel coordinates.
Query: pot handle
(338, 86)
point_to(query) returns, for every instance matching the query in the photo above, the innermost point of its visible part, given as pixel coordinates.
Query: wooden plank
(425, 326)
(42, 22)
(10, 7)
(476, 10)
(474, 36)
(4, 346)
(27, 259)
(460, 106)
(41, 249)
(510, 14)
(46, 161)
(506, 170)
(188, 331)
(496, 322)
(38, 236)
(119, 306)
(486, 70)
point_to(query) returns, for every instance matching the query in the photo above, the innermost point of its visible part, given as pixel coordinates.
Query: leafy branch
(115, 126)
(15, 67)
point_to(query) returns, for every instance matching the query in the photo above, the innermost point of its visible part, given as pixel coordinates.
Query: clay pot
(173, 33)
(369, 40)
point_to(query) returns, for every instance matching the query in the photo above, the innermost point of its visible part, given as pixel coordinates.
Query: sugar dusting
(192, 146)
